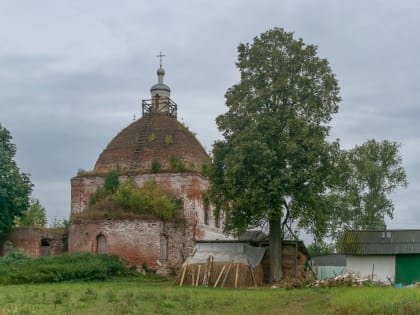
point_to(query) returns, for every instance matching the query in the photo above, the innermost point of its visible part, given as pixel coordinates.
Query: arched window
(100, 244)
(217, 220)
(45, 247)
(163, 248)
(206, 215)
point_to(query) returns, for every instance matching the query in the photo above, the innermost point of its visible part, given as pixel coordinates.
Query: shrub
(110, 186)
(173, 162)
(156, 166)
(168, 139)
(111, 181)
(180, 166)
(176, 164)
(99, 195)
(205, 170)
(147, 200)
(15, 256)
(71, 266)
(128, 199)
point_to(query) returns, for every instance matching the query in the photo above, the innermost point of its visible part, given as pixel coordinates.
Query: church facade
(158, 148)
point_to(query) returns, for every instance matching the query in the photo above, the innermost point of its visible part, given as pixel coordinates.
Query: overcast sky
(73, 73)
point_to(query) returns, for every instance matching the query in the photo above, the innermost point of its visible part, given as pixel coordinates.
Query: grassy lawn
(138, 296)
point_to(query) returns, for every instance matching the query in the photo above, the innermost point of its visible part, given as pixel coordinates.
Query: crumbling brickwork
(136, 242)
(36, 242)
(187, 186)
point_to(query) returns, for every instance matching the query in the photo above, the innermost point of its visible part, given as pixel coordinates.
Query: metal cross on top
(160, 58)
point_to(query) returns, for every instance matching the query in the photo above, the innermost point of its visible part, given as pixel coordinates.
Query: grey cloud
(67, 86)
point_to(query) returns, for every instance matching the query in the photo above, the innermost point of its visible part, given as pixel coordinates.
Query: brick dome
(155, 138)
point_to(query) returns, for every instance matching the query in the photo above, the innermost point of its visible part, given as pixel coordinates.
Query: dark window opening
(163, 248)
(206, 216)
(45, 247)
(217, 220)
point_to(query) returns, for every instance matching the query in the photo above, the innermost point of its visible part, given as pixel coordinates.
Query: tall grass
(16, 268)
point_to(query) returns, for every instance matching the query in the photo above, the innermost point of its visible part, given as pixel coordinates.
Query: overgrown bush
(173, 161)
(205, 169)
(176, 164)
(147, 201)
(156, 167)
(111, 181)
(15, 256)
(67, 267)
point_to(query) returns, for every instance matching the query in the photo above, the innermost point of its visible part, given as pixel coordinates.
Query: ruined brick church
(157, 138)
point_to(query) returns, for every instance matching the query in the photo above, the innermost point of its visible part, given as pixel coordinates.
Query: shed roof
(385, 242)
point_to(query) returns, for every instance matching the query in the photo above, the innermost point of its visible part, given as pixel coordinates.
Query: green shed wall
(407, 268)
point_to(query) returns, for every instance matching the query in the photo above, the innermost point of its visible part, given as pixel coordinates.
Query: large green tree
(15, 187)
(34, 216)
(374, 171)
(274, 162)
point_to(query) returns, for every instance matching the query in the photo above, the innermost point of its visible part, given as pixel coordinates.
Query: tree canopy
(34, 216)
(274, 161)
(373, 171)
(15, 187)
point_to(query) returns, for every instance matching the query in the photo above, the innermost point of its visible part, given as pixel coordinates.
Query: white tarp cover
(229, 253)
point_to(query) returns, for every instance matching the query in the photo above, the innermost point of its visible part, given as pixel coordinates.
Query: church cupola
(160, 101)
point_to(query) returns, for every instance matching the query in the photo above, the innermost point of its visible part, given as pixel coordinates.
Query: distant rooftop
(385, 242)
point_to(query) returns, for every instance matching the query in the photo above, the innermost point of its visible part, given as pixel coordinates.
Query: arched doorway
(100, 244)
(45, 247)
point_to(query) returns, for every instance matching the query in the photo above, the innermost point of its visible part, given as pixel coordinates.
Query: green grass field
(153, 296)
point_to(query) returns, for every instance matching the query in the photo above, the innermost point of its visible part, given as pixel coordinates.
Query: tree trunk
(276, 270)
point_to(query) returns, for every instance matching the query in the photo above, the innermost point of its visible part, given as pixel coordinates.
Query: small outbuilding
(240, 263)
(37, 242)
(389, 256)
(328, 266)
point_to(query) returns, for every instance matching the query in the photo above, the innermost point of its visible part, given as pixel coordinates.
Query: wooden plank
(205, 276)
(192, 276)
(181, 282)
(184, 267)
(236, 275)
(226, 276)
(219, 277)
(198, 276)
(209, 269)
(253, 276)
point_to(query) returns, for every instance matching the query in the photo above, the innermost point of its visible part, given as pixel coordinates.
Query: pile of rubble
(346, 280)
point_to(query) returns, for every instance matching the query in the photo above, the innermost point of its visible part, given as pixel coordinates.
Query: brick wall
(31, 239)
(187, 186)
(137, 242)
(82, 188)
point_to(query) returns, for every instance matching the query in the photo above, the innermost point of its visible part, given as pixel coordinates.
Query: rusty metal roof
(385, 242)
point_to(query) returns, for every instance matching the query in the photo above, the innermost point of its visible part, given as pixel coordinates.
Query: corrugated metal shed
(385, 242)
